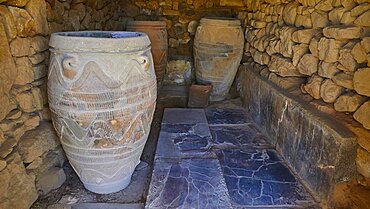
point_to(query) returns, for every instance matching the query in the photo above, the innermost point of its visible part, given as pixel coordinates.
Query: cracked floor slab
(187, 183)
(259, 177)
(226, 116)
(184, 140)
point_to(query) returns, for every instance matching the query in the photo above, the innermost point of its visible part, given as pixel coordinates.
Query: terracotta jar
(156, 30)
(102, 93)
(218, 50)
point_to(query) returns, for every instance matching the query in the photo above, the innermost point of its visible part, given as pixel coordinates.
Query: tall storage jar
(102, 93)
(218, 50)
(156, 30)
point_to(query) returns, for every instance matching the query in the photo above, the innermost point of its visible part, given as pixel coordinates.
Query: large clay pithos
(156, 30)
(102, 93)
(218, 49)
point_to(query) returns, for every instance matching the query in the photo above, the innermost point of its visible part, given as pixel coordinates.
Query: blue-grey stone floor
(217, 158)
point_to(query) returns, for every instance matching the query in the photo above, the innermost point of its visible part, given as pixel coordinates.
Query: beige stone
(308, 64)
(313, 86)
(365, 43)
(286, 44)
(21, 47)
(298, 51)
(32, 122)
(314, 47)
(2, 165)
(363, 20)
(347, 19)
(329, 49)
(329, 91)
(16, 3)
(25, 71)
(37, 9)
(336, 14)
(261, 58)
(20, 187)
(303, 21)
(304, 36)
(24, 21)
(363, 162)
(8, 74)
(290, 13)
(324, 5)
(282, 66)
(25, 101)
(288, 83)
(359, 53)
(8, 22)
(360, 9)
(361, 80)
(349, 102)
(348, 4)
(346, 60)
(362, 115)
(344, 80)
(343, 32)
(320, 19)
(37, 142)
(51, 179)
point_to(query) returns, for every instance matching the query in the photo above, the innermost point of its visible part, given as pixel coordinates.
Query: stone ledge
(295, 126)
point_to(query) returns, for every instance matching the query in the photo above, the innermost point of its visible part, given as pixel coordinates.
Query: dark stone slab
(184, 140)
(187, 183)
(240, 137)
(258, 177)
(320, 150)
(226, 116)
(183, 116)
(108, 206)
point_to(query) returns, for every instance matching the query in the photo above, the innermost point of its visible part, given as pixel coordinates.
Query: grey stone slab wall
(319, 149)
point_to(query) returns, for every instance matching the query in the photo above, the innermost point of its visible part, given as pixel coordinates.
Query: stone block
(18, 187)
(51, 179)
(361, 81)
(320, 150)
(362, 115)
(37, 142)
(199, 95)
(183, 116)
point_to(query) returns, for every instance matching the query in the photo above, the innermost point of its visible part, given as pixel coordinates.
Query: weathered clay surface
(156, 30)
(102, 103)
(218, 47)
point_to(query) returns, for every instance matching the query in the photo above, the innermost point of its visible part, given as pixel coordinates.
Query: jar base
(110, 187)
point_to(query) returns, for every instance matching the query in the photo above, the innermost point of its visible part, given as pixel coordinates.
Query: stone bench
(319, 149)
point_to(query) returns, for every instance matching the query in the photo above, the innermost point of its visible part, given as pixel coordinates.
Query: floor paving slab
(260, 178)
(241, 137)
(183, 116)
(184, 141)
(226, 116)
(187, 183)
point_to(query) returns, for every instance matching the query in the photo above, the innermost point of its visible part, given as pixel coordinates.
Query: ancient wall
(320, 49)
(31, 154)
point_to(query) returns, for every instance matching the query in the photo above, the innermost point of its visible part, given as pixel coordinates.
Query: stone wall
(319, 48)
(327, 43)
(30, 152)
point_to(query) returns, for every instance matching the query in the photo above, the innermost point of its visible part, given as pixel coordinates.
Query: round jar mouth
(220, 21)
(145, 23)
(95, 41)
(100, 34)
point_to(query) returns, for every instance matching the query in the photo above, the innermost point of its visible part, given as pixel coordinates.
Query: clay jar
(218, 50)
(102, 93)
(156, 30)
